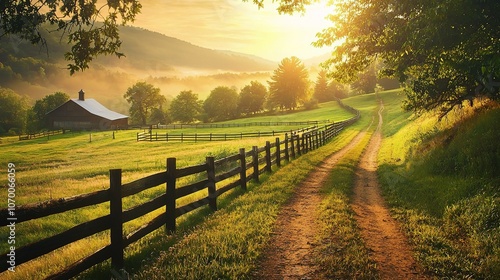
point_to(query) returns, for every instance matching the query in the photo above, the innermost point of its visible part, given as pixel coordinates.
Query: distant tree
(366, 80)
(143, 99)
(322, 91)
(221, 104)
(185, 107)
(289, 84)
(159, 115)
(37, 114)
(79, 21)
(339, 90)
(252, 98)
(13, 109)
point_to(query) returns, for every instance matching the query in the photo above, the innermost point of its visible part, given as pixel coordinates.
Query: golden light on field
(238, 26)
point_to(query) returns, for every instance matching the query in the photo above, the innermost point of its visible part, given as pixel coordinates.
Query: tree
(445, 52)
(322, 90)
(221, 104)
(13, 109)
(252, 98)
(77, 19)
(289, 84)
(366, 80)
(37, 114)
(143, 98)
(186, 107)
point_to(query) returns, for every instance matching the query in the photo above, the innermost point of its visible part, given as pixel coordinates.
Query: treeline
(288, 89)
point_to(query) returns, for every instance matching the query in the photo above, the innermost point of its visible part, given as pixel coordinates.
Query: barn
(85, 114)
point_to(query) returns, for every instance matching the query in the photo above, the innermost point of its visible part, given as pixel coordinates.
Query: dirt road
(289, 254)
(388, 246)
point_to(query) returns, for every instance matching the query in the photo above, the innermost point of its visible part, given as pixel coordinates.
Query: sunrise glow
(238, 26)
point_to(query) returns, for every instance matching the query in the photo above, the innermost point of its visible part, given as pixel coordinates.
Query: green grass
(67, 165)
(441, 180)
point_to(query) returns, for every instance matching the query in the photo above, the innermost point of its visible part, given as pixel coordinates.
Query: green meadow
(79, 162)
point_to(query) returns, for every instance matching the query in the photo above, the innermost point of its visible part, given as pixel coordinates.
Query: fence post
(268, 157)
(243, 172)
(170, 191)
(287, 152)
(298, 144)
(278, 152)
(255, 162)
(115, 201)
(292, 145)
(212, 195)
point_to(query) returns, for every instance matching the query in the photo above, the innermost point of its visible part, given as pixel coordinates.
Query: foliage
(77, 19)
(366, 80)
(252, 98)
(221, 104)
(143, 98)
(440, 179)
(185, 107)
(37, 114)
(289, 84)
(322, 91)
(13, 109)
(445, 52)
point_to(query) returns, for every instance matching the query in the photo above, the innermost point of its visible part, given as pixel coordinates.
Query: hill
(167, 62)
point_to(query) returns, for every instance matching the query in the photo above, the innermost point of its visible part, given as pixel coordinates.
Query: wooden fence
(40, 135)
(226, 125)
(233, 171)
(155, 136)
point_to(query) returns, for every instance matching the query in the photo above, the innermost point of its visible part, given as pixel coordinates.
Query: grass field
(70, 164)
(442, 182)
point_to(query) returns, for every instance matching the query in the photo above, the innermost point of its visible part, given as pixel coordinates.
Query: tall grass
(441, 180)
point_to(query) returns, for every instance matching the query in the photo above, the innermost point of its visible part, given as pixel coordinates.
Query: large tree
(252, 98)
(13, 109)
(143, 99)
(289, 84)
(185, 107)
(445, 52)
(221, 104)
(91, 26)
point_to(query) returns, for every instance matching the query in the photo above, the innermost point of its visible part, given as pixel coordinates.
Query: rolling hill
(168, 63)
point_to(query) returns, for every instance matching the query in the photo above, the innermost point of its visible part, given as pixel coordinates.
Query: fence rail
(40, 135)
(198, 137)
(233, 171)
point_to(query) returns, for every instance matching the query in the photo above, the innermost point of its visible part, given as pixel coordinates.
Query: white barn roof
(96, 108)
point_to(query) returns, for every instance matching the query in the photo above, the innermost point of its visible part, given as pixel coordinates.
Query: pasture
(76, 163)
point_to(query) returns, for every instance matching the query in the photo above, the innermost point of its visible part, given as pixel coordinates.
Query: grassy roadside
(441, 181)
(228, 244)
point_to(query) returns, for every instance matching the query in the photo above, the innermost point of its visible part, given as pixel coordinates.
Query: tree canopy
(91, 26)
(221, 104)
(143, 99)
(12, 112)
(289, 84)
(185, 107)
(445, 52)
(252, 98)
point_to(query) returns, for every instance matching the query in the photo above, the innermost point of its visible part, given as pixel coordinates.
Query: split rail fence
(233, 171)
(196, 137)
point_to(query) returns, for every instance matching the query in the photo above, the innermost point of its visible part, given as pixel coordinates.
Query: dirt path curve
(289, 253)
(388, 246)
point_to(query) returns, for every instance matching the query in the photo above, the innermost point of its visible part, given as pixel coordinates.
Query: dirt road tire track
(289, 255)
(387, 244)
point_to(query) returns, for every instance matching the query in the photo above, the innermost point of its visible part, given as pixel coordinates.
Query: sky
(237, 26)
